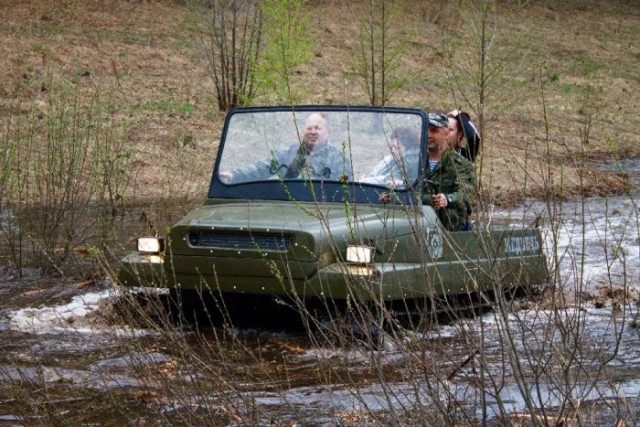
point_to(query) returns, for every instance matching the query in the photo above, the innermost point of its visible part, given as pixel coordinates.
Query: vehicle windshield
(374, 147)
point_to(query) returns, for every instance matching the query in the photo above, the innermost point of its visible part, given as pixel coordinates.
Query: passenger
(449, 175)
(313, 158)
(464, 137)
(393, 171)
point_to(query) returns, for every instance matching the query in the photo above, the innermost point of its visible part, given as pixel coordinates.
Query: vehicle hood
(310, 229)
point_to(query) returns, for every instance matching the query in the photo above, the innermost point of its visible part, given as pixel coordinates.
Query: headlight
(360, 254)
(150, 245)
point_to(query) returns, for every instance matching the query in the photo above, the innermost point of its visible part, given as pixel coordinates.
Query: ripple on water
(70, 317)
(128, 361)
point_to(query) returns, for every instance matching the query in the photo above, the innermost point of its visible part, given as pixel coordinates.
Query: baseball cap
(438, 120)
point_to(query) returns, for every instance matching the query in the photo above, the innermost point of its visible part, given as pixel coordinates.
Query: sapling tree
(379, 51)
(287, 45)
(252, 47)
(231, 33)
(67, 162)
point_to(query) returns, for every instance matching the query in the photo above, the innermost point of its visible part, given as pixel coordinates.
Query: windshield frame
(317, 190)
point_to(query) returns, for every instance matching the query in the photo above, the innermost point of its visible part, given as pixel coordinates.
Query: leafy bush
(66, 167)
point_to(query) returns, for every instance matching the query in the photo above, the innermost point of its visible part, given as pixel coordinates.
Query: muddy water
(74, 352)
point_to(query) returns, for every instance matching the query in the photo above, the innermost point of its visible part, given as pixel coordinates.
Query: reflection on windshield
(358, 147)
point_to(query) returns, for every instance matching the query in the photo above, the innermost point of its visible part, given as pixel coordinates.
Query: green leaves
(286, 46)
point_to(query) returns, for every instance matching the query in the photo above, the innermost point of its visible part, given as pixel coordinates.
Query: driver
(313, 158)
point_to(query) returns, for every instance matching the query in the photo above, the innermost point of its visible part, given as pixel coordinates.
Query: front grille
(230, 240)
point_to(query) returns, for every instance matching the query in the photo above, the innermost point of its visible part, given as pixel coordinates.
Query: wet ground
(74, 360)
(86, 352)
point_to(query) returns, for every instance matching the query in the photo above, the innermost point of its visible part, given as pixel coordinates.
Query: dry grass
(584, 53)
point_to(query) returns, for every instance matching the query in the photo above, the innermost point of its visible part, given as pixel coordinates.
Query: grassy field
(561, 98)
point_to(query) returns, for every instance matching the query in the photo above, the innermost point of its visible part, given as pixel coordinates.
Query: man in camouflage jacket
(450, 180)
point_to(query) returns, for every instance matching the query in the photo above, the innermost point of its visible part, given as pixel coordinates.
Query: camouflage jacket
(454, 177)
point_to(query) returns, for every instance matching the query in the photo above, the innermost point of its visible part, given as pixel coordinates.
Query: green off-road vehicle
(277, 227)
